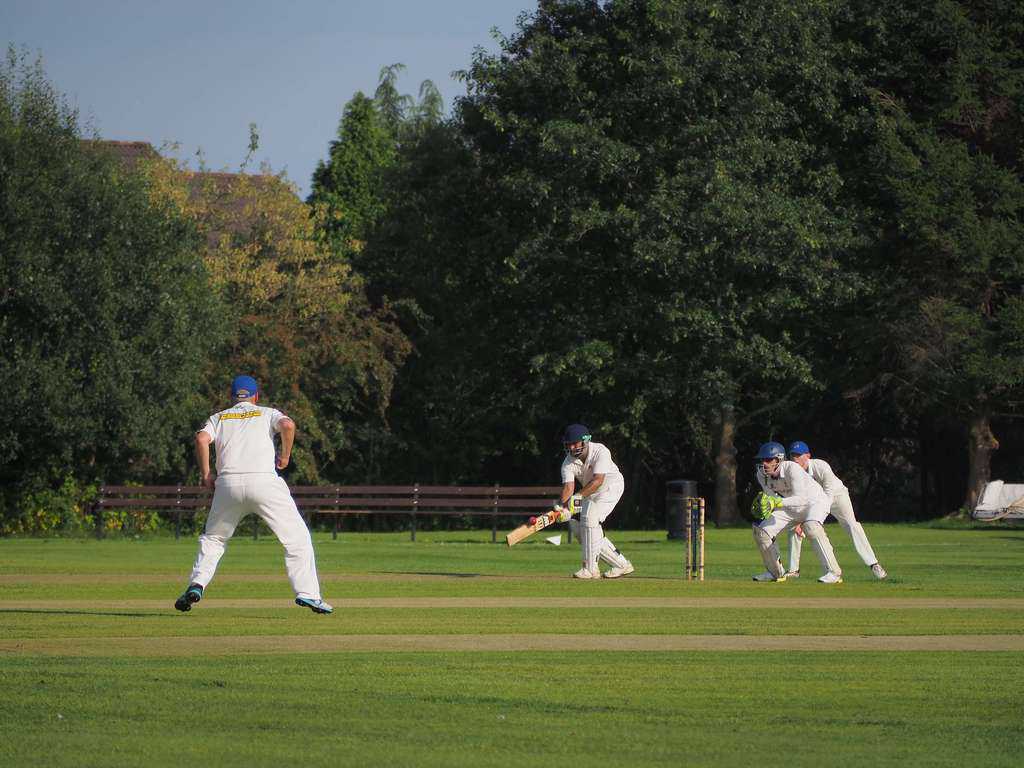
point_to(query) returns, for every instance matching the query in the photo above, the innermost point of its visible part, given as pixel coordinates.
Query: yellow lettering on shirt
(242, 415)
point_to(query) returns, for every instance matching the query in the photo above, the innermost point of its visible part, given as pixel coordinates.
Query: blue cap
(244, 386)
(798, 448)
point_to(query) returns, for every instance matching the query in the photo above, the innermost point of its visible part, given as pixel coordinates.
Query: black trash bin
(675, 507)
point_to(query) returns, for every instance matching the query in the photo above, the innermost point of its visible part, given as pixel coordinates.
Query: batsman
(590, 465)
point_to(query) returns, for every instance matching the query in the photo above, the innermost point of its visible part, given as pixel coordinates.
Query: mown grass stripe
(233, 644)
(845, 603)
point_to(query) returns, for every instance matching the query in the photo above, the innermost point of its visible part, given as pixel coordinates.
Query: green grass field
(455, 651)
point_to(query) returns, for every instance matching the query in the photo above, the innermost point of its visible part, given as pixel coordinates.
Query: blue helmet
(771, 451)
(576, 433)
(798, 448)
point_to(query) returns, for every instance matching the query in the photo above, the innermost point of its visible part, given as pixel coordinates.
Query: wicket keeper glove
(764, 505)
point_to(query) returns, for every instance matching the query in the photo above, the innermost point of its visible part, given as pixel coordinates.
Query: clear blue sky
(198, 72)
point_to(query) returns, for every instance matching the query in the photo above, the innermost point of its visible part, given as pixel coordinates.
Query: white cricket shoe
(586, 573)
(831, 578)
(769, 576)
(316, 606)
(615, 572)
(879, 571)
(792, 574)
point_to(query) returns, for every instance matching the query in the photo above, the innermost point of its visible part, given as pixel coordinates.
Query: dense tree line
(694, 225)
(94, 368)
(132, 295)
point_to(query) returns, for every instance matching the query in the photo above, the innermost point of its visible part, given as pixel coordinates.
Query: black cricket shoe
(193, 594)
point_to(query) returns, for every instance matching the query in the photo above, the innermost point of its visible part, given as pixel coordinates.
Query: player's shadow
(63, 612)
(445, 574)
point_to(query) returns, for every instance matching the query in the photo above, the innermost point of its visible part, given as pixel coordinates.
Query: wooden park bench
(416, 501)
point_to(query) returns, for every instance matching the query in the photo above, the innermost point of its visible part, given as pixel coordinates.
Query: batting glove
(563, 513)
(575, 504)
(764, 505)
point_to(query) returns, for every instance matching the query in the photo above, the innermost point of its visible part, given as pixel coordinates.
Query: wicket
(694, 538)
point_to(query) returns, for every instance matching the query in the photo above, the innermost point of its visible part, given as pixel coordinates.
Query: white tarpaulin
(1000, 500)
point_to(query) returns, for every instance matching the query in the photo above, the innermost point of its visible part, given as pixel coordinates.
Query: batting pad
(590, 539)
(610, 555)
(769, 551)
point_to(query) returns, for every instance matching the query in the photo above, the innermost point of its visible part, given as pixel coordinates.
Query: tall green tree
(431, 259)
(958, 264)
(350, 186)
(394, 107)
(670, 203)
(105, 314)
(404, 116)
(355, 204)
(942, 173)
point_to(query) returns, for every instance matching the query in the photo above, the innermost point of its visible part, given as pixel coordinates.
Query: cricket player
(841, 510)
(243, 436)
(790, 496)
(590, 464)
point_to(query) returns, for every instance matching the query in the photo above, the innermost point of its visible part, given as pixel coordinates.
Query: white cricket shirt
(243, 436)
(822, 472)
(598, 462)
(796, 487)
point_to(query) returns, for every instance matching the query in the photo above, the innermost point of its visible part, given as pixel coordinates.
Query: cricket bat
(536, 524)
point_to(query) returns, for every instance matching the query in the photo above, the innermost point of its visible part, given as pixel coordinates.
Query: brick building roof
(215, 187)
(128, 152)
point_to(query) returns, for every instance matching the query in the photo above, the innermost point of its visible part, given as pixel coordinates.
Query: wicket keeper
(789, 496)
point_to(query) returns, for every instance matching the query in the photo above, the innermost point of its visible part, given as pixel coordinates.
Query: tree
(394, 108)
(940, 171)
(427, 259)
(350, 186)
(956, 283)
(405, 117)
(299, 319)
(105, 316)
(670, 202)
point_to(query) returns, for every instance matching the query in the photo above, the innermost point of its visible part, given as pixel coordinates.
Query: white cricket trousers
(787, 517)
(784, 517)
(593, 543)
(842, 511)
(266, 495)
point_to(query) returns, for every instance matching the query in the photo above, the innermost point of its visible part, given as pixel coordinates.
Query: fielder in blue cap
(247, 483)
(841, 509)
